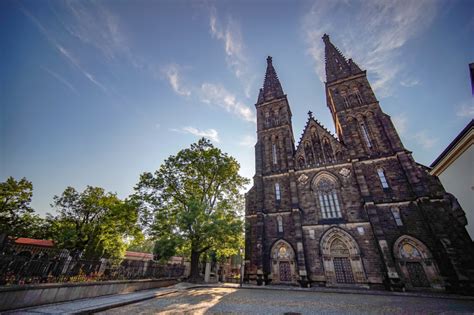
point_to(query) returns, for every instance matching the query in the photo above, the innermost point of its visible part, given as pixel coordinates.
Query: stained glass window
(408, 251)
(328, 199)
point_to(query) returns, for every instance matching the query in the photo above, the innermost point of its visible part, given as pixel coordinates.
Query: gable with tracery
(318, 146)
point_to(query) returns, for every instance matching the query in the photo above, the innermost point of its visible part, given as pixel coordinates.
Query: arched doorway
(416, 264)
(283, 263)
(341, 258)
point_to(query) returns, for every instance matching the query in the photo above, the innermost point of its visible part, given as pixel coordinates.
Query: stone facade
(348, 210)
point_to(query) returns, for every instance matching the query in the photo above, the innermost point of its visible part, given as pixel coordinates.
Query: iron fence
(24, 270)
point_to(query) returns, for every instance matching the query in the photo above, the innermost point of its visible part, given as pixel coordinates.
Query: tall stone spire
(337, 66)
(271, 87)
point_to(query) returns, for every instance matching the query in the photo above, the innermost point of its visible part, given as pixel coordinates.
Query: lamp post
(241, 267)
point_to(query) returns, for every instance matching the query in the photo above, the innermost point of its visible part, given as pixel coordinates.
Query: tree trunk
(194, 277)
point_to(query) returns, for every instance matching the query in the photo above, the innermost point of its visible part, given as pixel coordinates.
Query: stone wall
(15, 297)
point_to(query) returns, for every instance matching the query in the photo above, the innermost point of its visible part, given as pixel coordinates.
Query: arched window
(276, 117)
(328, 198)
(280, 224)
(382, 178)
(346, 99)
(396, 216)
(328, 151)
(301, 161)
(267, 119)
(365, 134)
(274, 154)
(308, 153)
(358, 96)
(277, 192)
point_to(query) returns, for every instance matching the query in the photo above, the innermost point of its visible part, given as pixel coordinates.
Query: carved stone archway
(341, 259)
(416, 264)
(283, 263)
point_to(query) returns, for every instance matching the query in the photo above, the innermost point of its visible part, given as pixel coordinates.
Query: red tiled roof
(34, 242)
(138, 254)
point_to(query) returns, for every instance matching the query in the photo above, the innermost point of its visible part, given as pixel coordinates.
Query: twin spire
(271, 86)
(337, 67)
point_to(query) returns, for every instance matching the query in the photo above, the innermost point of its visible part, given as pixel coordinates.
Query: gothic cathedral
(348, 210)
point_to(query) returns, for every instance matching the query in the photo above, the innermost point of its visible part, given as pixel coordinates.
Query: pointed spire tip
(269, 59)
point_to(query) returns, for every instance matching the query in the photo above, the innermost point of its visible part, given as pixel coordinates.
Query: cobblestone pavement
(254, 301)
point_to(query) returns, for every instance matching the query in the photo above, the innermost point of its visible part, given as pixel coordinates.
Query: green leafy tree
(145, 246)
(15, 209)
(195, 199)
(94, 223)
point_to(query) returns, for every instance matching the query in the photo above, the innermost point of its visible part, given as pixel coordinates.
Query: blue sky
(95, 93)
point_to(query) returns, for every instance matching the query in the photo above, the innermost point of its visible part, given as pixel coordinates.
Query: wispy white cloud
(400, 121)
(219, 96)
(234, 47)
(409, 82)
(425, 140)
(60, 79)
(65, 53)
(466, 110)
(172, 73)
(248, 141)
(211, 134)
(371, 32)
(97, 26)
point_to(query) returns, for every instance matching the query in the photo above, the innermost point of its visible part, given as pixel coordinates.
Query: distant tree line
(191, 206)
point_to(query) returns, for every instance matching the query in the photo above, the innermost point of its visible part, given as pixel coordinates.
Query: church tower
(271, 205)
(274, 129)
(360, 122)
(353, 210)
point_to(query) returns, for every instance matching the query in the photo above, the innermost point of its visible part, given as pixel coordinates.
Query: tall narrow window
(346, 101)
(280, 224)
(365, 133)
(274, 154)
(328, 199)
(382, 178)
(267, 119)
(277, 192)
(396, 216)
(359, 98)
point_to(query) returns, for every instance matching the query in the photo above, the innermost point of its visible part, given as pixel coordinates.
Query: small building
(30, 247)
(455, 168)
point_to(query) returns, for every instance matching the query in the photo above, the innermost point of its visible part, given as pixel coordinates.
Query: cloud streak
(371, 32)
(65, 53)
(466, 110)
(423, 139)
(211, 134)
(219, 96)
(60, 79)
(173, 76)
(234, 48)
(248, 141)
(94, 25)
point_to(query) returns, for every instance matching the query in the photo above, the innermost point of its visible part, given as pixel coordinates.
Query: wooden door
(343, 270)
(285, 271)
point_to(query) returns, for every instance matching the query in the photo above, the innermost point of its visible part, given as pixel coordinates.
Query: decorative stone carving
(303, 179)
(345, 172)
